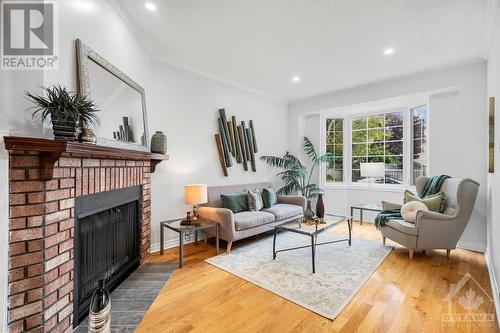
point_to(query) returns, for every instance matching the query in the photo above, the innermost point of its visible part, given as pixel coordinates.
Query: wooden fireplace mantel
(51, 150)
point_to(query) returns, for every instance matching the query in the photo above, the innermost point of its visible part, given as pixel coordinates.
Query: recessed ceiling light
(388, 51)
(295, 79)
(150, 6)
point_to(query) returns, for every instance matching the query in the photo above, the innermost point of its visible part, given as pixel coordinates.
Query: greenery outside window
(335, 146)
(378, 138)
(420, 156)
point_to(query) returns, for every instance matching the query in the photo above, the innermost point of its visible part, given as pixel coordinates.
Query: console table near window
(363, 207)
(186, 232)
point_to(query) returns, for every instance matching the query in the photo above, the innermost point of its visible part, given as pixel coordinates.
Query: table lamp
(195, 194)
(371, 171)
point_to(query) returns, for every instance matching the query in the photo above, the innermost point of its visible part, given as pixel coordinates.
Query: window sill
(366, 187)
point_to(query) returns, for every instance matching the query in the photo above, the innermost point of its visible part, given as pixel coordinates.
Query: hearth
(106, 242)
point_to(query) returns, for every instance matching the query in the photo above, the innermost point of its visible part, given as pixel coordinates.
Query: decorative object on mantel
(235, 141)
(100, 310)
(65, 108)
(491, 137)
(194, 194)
(51, 151)
(86, 135)
(125, 132)
(159, 143)
(296, 176)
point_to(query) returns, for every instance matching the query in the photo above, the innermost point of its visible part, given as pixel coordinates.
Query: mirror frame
(84, 54)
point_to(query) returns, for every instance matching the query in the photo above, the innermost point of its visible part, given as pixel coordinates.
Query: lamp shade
(373, 169)
(195, 194)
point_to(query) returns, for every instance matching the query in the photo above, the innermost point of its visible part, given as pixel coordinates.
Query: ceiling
(329, 44)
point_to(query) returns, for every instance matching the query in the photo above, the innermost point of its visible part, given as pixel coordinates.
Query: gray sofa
(433, 230)
(235, 226)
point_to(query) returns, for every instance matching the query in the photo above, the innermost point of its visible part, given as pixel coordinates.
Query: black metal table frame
(195, 228)
(313, 236)
(361, 209)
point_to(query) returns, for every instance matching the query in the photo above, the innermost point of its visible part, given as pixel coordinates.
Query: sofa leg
(410, 252)
(448, 252)
(228, 248)
(383, 240)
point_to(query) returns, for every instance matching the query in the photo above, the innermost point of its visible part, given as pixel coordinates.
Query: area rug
(340, 270)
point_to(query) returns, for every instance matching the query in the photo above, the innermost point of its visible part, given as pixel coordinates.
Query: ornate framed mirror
(121, 101)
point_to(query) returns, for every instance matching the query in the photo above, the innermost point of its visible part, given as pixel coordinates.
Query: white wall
(457, 134)
(184, 106)
(493, 84)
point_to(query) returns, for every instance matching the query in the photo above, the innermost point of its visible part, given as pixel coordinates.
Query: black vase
(64, 129)
(320, 207)
(308, 212)
(100, 309)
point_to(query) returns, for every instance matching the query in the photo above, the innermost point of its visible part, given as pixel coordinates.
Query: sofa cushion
(434, 202)
(236, 201)
(269, 197)
(284, 211)
(403, 226)
(255, 200)
(247, 220)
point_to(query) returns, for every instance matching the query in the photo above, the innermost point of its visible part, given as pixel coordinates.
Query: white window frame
(347, 137)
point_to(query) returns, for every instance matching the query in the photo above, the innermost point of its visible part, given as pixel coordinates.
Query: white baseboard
(478, 247)
(170, 243)
(494, 284)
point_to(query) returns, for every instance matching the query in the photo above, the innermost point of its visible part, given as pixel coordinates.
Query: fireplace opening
(107, 243)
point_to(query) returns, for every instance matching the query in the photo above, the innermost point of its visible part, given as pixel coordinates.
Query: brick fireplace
(43, 185)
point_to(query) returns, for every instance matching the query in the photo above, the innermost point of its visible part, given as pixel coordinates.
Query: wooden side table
(187, 231)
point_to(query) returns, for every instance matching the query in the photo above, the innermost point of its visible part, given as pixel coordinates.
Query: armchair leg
(410, 252)
(228, 248)
(383, 240)
(448, 252)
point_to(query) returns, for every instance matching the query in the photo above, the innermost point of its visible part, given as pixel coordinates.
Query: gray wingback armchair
(433, 230)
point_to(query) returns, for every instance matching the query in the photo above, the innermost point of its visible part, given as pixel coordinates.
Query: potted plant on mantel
(65, 110)
(297, 176)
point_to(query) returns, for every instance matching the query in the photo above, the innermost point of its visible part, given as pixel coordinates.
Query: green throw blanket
(432, 187)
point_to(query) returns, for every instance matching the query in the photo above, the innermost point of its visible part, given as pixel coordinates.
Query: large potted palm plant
(65, 110)
(297, 176)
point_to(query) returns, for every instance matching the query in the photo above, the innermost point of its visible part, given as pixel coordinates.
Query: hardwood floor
(403, 295)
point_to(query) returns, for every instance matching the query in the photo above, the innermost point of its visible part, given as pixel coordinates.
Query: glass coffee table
(301, 226)
(363, 207)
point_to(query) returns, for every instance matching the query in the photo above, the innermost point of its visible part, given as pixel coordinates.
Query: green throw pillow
(269, 197)
(255, 202)
(236, 201)
(434, 202)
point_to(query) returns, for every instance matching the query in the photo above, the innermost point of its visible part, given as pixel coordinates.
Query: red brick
(90, 162)
(66, 289)
(66, 224)
(16, 274)
(35, 197)
(78, 182)
(50, 323)
(56, 284)
(35, 245)
(69, 162)
(91, 181)
(51, 207)
(34, 174)
(26, 210)
(17, 174)
(16, 327)
(17, 223)
(102, 181)
(25, 260)
(34, 295)
(85, 181)
(56, 307)
(56, 238)
(52, 184)
(25, 234)
(56, 261)
(108, 179)
(35, 221)
(65, 312)
(24, 161)
(25, 311)
(66, 183)
(35, 270)
(67, 203)
(15, 301)
(147, 163)
(65, 246)
(51, 275)
(107, 163)
(23, 285)
(112, 180)
(50, 299)
(62, 326)
(57, 195)
(57, 216)
(26, 186)
(119, 163)
(17, 199)
(130, 163)
(33, 321)
(17, 248)
(61, 173)
(66, 267)
(51, 252)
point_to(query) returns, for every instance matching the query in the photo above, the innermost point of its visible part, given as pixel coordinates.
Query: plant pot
(320, 207)
(64, 129)
(100, 309)
(309, 212)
